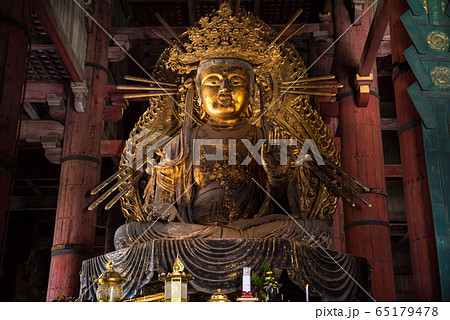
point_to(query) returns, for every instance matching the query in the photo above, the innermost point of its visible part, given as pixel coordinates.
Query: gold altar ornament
(110, 284)
(176, 283)
(219, 296)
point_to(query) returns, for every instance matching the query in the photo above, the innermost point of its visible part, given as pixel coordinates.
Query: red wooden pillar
(422, 239)
(367, 229)
(74, 235)
(15, 22)
(337, 229)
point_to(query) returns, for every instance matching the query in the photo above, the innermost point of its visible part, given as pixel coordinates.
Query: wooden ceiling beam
(150, 1)
(37, 90)
(374, 38)
(42, 46)
(393, 171)
(257, 8)
(22, 203)
(31, 111)
(191, 11)
(146, 33)
(388, 124)
(159, 1)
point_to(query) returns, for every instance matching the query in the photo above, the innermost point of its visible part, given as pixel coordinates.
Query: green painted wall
(428, 24)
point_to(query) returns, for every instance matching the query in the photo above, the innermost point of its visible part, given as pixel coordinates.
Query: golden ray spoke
(293, 33)
(294, 17)
(147, 95)
(313, 79)
(314, 86)
(145, 88)
(131, 78)
(312, 93)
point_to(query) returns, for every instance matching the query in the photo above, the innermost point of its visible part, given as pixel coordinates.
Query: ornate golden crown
(223, 34)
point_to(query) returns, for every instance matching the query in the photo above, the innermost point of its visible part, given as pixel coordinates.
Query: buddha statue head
(225, 88)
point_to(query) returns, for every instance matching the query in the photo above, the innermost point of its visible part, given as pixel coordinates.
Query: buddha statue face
(225, 87)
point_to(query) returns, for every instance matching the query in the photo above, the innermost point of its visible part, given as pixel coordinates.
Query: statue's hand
(275, 165)
(162, 211)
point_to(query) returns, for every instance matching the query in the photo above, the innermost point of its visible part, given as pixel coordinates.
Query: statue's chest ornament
(221, 160)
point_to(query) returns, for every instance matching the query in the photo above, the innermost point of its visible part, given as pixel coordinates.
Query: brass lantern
(110, 284)
(176, 283)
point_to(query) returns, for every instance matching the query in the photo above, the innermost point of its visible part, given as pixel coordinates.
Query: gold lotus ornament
(110, 284)
(176, 283)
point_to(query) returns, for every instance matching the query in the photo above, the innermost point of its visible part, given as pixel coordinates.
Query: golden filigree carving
(225, 35)
(425, 5)
(437, 40)
(441, 77)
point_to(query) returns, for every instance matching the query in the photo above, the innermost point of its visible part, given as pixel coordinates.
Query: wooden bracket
(53, 148)
(363, 87)
(328, 106)
(358, 8)
(115, 105)
(80, 91)
(56, 107)
(116, 53)
(48, 133)
(325, 17)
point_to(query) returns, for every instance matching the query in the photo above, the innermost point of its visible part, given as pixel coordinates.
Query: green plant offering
(268, 283)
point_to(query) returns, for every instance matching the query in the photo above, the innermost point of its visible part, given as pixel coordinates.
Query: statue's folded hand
(275, 164)
(162, 211)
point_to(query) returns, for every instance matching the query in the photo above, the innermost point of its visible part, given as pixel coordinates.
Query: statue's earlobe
(202, 113)
(249, 111)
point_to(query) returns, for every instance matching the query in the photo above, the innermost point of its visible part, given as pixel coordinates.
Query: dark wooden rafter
(257, 7)
(374, 38)
(368, 58)
(38, 90)
(146, 33)
(20, 203)
(393, 170)
(48, 19)
(31, 111)
(388, 124)
(191, 12)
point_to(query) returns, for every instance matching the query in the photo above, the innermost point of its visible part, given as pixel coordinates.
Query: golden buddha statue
(219, 198)
(219, 154)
